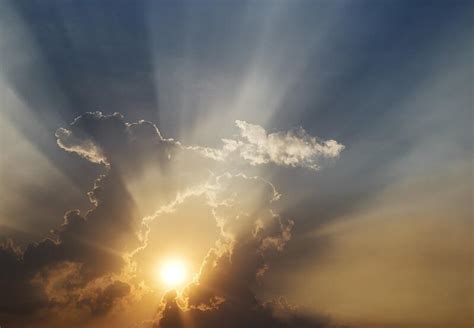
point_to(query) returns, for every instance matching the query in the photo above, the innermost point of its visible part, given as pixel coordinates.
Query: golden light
(172, 273)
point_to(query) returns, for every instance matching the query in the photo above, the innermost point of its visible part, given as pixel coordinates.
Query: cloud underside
(85, 269)
(237, 315)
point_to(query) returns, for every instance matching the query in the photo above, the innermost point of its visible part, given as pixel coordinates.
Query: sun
(172, 273)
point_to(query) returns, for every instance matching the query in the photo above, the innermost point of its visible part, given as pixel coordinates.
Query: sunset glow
(236, 164)
(172, 273)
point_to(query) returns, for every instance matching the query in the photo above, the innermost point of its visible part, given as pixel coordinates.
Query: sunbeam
(238, 164)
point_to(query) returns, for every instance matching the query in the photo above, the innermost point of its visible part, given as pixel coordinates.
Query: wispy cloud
(293, 148)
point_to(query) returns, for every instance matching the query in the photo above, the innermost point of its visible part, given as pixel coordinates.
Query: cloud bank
(86, 268)
(77, 270)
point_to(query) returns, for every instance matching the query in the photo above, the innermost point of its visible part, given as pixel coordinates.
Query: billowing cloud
(294, 148)
(237, 315)
(224, 292)
(81, 264)
(78, 266)
(87, 266)
(109, 139)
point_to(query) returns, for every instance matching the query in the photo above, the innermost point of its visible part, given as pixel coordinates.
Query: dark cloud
(138, 153)
(17, 294)
(109, 139)
(94, 243)
(77, 263)
(228, 314)
(224, 293)
(104, 299)
(80, 270)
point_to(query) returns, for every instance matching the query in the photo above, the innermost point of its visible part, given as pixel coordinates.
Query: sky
(236, 163)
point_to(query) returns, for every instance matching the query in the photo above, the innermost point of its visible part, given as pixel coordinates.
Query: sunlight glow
(172, 273)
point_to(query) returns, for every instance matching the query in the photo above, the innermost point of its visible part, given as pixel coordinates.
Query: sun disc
(172, 273)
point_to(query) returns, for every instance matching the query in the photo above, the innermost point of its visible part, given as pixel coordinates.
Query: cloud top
(293, 148)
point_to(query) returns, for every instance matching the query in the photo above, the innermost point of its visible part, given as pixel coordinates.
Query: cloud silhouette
(224, 292)
(227, 314)
(82, 270)
(78, 255)
(109, 139)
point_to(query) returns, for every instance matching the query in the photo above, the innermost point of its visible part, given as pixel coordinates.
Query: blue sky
(389, 80)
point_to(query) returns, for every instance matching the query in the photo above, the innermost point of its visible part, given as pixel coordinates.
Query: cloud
(84, 148)
(104, 299)
(224, 292)
(152, 167)
(86, 267)
(294, 148)
(80, 264)
(109, 139)
(80, 259)
(231, 315)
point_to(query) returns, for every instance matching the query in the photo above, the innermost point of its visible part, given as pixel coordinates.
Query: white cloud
(294, 148)
(83, 147)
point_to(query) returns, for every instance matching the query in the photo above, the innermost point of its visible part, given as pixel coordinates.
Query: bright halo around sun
(172, 273)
